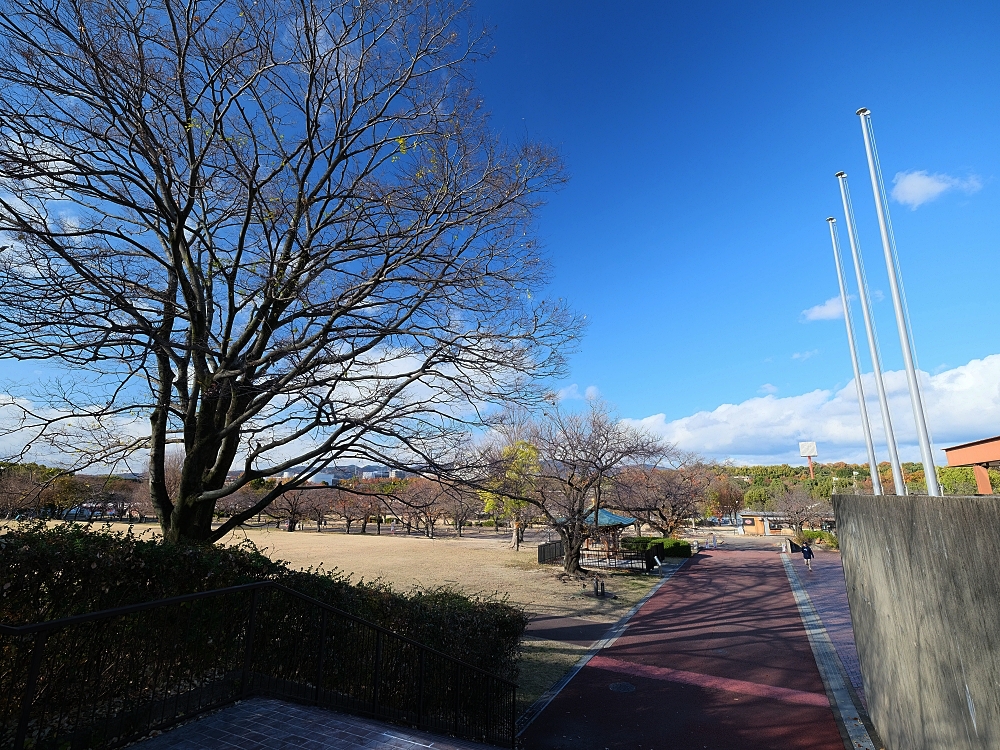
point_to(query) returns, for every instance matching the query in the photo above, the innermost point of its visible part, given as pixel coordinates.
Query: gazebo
(609, 528)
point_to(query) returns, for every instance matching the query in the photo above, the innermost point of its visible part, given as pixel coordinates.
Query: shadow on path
(717, 658)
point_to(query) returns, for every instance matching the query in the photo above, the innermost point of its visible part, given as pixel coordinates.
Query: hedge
(671, 547)
(821, 537)
(70, 569)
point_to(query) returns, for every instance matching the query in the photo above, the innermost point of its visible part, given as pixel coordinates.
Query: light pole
(895, 287)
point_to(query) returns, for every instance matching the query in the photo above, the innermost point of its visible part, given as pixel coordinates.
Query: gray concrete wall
(924, 590)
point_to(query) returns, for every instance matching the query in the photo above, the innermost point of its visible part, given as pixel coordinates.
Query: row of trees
(557, 468)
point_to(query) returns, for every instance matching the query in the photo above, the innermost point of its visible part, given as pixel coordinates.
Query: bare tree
(281, 232)
(292, 506)
(663, 498)
(725, 496)
(19, 490)
(799, 507)
(579, 455)
(349, 505)
(460, 504)
(427, 498)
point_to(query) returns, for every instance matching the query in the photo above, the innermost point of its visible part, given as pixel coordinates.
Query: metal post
(322, 653)
(865, 426)
(378, 671)
(37, 650)
(420, 691)
(513, 716)
(458, 695)
(895, 283)
(248, 647)
(859, 271)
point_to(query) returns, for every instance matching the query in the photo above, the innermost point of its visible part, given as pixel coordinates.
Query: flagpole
(872, 461)
(895, 284)
(859, 272)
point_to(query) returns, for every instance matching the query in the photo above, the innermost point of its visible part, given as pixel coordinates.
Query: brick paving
(265, 724)
(828, 593)
(718, 658)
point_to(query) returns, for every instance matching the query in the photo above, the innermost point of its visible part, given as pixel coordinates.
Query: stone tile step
(268, 724)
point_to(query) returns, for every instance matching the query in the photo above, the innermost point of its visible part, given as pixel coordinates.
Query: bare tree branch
(275, 234)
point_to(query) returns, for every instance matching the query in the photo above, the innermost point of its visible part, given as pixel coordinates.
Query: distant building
(760, 523)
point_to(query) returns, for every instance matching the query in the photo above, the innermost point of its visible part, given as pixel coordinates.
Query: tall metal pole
(872, 461)
(866, 313)
(889, 249)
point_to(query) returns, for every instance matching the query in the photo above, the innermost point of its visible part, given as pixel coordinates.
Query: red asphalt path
(718, 658)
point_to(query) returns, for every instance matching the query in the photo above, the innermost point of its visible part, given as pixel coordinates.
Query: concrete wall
(924, 588)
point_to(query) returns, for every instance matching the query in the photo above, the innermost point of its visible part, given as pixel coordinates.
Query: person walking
(807, 555)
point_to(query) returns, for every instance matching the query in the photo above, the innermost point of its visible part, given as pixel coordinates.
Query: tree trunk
(348, 522)
(571, 555)
(292, 523)
(188, 522)
(364, 525)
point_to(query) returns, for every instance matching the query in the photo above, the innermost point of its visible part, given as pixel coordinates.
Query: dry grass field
(480, 563)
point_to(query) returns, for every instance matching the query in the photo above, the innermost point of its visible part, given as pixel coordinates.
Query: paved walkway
(717, 658)
(265, 724)
(828, 593)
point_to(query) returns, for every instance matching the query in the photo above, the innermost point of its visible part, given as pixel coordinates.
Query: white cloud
(767, 388)
(962, 404)
(916, 187)
(572, 393)
(832, 309)
(805, 355)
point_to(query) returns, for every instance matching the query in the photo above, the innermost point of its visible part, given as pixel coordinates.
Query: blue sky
(701, 140)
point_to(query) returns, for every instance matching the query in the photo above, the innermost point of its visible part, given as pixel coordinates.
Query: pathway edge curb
(831, 670)
(612, 635)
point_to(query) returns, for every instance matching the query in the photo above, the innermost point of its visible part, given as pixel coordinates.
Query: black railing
(107, 678)
(620, 560)
(550, 551)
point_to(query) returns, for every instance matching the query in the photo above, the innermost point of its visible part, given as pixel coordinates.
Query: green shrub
(635, 543)
(673, 547)
(821, 537)
(68, 569)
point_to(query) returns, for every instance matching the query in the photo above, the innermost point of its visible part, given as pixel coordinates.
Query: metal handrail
(50, 625)
(245, 680)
